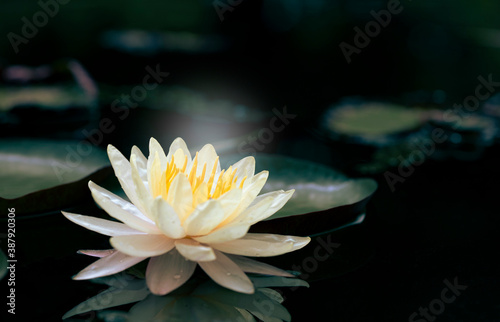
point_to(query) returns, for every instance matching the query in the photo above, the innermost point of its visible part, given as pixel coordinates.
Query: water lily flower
(185, 212)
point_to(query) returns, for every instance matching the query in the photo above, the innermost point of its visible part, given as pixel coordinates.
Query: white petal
(194, 251)
(124, 174)
(122, 210)
(174, 147)
(180, 196)
(264, 206)
(97, 252)
(225, 233)
(204, 218)
(108, 265)
(167, 219)
(245, 168)
(145, 197)
(167, 272)
(252, 266)
(142, 245)
(251, 189)
(142, 164)
(226, 273)
(155, 147)
(207, 155)
(262, 245)
(229, 201)
(102, 226)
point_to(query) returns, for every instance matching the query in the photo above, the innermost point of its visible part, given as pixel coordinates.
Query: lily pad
(44, 175)
(324, 198)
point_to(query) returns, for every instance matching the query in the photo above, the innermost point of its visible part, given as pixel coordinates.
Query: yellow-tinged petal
(122, 210)
(225, 233)
(226, 273)
(167, 219)
(264, 206)
(142, 245)
(154, 148)
(167, 272)
(177, 144)
(122, 169)
(108, 265)
(194, 251)
(245, 168)
(230, 201)
(259, 245)
(208, 156)
(180, 196)
(204, 218)
(252, 266)
(200, 195)
(102, 226)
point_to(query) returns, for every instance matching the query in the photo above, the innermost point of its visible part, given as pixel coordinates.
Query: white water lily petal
(142, 245)
(167, 219)
(194, 251)
(226, 233)
(155, 147)
(102, 226)
(108, 265)
(141, 190)
(265, 206)
(97, 252)
(122, 210)
(257, 245)
(207, 155)
(204, 218)
(245, 168)
(142, 164)
(226, 273)
(167, 272)
(180, 196)
(252, 266)
(122, 169)
(230, 201)
(179, 144)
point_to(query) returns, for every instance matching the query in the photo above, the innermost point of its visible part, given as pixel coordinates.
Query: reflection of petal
(251, 266)
(194, 251)
(148, 309)
(167, 272)
(113, 296)
(108, 265)
(102, 226)
(142, 245)
(122, 210)
(204, 218)
(262, 245)
(226, 273)
(167, 219)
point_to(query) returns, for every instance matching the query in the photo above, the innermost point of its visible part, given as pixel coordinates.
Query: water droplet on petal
(228, 274)
(177, 276)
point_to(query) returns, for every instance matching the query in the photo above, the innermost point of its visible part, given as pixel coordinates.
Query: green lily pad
(44, 175)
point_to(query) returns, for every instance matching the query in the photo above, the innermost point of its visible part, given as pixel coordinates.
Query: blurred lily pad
(324, 198)
(44, 175)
